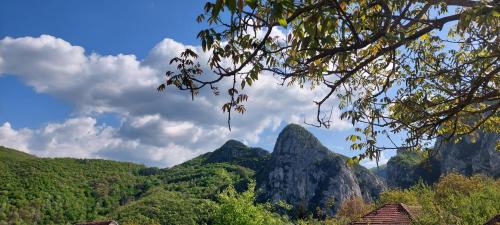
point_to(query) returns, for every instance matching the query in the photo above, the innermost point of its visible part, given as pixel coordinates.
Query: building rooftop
(390, 214)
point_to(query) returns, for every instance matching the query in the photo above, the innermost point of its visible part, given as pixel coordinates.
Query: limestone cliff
(468, 157)
(465, 157)
(304, 173)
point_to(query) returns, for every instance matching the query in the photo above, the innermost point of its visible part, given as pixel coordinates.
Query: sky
(78, 79)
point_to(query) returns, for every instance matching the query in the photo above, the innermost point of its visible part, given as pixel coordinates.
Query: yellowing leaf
(282, 22)
(425, 37)
(343, 5)
(496, 14)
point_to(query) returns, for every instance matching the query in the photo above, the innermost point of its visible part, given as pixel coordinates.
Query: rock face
(467, 157)
(305, 174)
(380, 171)
(405, 169)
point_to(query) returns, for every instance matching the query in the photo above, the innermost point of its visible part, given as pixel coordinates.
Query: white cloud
(17, 139)
(384, 158)
(157, 128)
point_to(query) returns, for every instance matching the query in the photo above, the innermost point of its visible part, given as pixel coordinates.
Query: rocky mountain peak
(231, 143)
(236, 152)
(466, 157)
(295, 139)
(305, 174)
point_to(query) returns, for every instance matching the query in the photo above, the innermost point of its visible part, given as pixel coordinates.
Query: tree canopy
(422, 68)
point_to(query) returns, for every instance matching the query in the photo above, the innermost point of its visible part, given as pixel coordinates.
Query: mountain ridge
(89, 189)
(306, 174)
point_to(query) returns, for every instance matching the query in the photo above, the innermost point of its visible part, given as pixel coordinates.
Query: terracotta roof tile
(389, 214)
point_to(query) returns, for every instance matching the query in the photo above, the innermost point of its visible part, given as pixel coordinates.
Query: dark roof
(390, 214)
(109, 222)
(494, 220)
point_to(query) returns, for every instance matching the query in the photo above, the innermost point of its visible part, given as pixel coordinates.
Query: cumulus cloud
(384, 158)
(14, 138)
(160, 129)
(83, 138)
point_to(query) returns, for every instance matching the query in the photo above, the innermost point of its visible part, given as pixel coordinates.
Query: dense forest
(204, 190)
(65, 191)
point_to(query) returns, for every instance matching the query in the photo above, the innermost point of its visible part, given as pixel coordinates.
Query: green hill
(61, 191)
(64, 191)
(218, 188)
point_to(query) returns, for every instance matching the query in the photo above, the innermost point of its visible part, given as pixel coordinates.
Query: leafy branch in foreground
(421, 68)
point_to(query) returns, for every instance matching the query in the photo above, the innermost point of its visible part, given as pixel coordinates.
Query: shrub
(239, 209)
(353, 208)
(455, 199)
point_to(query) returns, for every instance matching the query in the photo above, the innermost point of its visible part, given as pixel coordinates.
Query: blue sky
(77, 79)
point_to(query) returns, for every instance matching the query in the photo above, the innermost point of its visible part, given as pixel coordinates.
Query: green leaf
(231, 4)
(243, 84)
(352, 161)
(249, 81)
(217, 8)
(425, 37)
(341, 63)
(282, 22)
(254, 76)
(353, 138)
(496, 13)
(277, 10)
(252, 3)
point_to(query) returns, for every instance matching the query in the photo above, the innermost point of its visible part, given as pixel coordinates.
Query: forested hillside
(232, 185)
(64, 191)
(59, 191)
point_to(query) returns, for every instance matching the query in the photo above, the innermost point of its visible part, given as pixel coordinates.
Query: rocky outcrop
(380, 171)
(404, 169)
(465, 157)
(305, 174)
(468, 157)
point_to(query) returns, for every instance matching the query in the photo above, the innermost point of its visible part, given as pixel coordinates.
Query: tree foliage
(425, 68)
(63, 191)
(67, 191)
(352, 209)
(455, 199)
(241, 209)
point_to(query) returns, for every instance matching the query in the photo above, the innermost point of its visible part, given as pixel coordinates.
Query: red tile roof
(389, 214)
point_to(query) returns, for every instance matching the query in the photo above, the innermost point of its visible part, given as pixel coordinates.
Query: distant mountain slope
(183, 194)
(405, 169)
(380, 171)
(307, 175)
(300, 171)
(469, 157)
(65, 191)
(465, 157)
(62, 191)
(234, 152)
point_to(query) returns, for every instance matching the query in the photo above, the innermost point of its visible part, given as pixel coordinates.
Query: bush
(352, 209)
(455, 199)
(239, 209)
